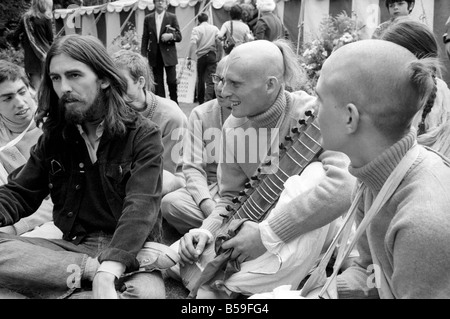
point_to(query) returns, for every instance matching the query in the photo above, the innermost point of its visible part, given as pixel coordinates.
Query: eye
(23, 92)
(74, 76)
(54, 78)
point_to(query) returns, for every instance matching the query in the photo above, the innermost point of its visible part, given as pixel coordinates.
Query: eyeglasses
(217, 78)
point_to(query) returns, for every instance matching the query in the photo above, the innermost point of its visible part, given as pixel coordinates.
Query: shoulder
(149, 16)
(206, 108)
(300, 103)
(170, 111)
(427, 184)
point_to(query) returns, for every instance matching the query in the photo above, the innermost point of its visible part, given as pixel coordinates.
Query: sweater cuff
(282, 227)
(21, 227)
(199, 195)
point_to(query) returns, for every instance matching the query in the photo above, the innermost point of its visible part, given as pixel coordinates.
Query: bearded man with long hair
(101, 163)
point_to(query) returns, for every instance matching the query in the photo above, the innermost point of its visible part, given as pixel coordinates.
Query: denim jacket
(131, 176)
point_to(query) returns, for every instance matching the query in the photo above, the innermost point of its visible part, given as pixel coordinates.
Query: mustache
(68, 97)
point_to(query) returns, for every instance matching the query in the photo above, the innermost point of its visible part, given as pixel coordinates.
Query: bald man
(368, 94)
(285, 246)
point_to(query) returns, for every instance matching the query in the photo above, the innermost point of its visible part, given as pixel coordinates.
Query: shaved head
(375, 76)
(258, 58)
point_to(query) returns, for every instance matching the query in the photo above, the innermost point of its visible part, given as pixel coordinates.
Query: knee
(169, 205)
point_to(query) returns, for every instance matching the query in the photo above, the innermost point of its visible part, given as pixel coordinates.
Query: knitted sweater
(409, 235)
(332, 196)
(169, 117)
(199, 162)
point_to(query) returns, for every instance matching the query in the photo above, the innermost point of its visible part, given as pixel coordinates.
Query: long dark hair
(90, 51)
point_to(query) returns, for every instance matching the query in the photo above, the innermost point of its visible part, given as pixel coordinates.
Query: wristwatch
(444, 37)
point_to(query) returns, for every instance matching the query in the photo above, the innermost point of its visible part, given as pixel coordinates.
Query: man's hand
(103, 286)
(192, 246)
(165, 37)
(247, 244)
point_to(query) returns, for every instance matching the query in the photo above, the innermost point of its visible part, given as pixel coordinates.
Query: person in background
(269, 26)
(160, 34)
(35, 33)
(18, 134)
(205, 48)
(101, 163)
(433, 120)
(235, 28)
(187, 207)
(170, 119)
(406, 246)
(398, 10)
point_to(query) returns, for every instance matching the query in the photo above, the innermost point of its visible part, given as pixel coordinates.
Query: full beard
(83, 112)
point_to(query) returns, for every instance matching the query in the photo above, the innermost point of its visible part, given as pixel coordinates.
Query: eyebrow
(13, 93)
(67, 72)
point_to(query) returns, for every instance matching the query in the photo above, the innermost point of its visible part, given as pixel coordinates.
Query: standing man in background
(204, 47)
(161, 32)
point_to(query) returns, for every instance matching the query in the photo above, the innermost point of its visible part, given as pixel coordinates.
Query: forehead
(8, 86)
(236, 69)
(63, 63)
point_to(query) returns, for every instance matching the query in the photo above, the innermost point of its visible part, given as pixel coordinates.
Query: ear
(141, 82)
(272, 84)
(104, 84)
(352, 118)
(411, 7)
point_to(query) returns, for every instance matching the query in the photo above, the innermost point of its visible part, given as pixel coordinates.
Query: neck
(90, 127)
(367, 149)
(140, 103)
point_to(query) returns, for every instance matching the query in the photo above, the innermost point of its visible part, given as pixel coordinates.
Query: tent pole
(300, 25)
(128, 17)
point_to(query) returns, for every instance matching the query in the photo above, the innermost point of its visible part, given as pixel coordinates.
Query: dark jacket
(43, 35)
(149, 45)
(130, 170)
(269, 27)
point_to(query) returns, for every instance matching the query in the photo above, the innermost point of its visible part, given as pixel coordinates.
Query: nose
(19, 101)
(65, 86)
(225, 91)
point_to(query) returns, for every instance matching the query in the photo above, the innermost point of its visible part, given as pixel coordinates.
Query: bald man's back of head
(383, 80)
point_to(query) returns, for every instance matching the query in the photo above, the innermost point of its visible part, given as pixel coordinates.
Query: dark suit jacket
(149, 42)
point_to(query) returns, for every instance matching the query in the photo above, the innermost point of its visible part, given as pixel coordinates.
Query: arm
(26, 188)
(175, 34)
(260, 30)
(194, 165)
(42, 215)
(141, 202)
(322, 204)
(192, 48)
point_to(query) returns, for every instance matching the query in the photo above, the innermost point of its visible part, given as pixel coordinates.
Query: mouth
(23, 112)
(235, 104)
